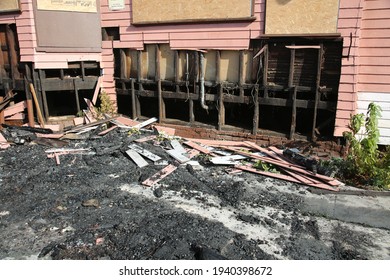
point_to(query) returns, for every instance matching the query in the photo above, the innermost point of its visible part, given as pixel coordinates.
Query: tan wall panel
(210, 65)
(85, 6)
(167, 63)
(301, 16)
(230, 65)
(153, 11)
(9, 5)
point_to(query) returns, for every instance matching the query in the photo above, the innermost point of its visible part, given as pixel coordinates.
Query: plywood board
(9, 5)
(64, 31)
(85, 6)
(157, 11)
(301, 16)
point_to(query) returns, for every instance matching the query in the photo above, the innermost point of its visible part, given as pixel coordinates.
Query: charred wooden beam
(293, 113)
(56, 84)
(241, 73)
(318, 93)
(256, 111)
(265, 71)
(76, 93)
(161, 105)
(42, 76)
(221, 108)
(134, 100)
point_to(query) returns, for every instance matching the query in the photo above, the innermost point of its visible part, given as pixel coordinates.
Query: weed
(265, 166)
(364, 163)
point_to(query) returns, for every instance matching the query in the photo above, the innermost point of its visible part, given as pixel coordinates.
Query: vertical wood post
(30, 113)
(318, 93)
(2, 119)
(256, 111)
(241, 73)
(293, 113)
(42, 77)
(265, 71)
(134, 100)
(76, 93)
(221, 108)
(161, 105)
(177, 74)
(293, 95)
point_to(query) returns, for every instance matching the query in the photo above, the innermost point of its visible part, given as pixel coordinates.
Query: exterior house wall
(222, 36)
(374, 63)
(349, 23)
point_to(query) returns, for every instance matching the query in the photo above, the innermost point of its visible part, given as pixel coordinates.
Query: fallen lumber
(284, 177)
(145, 123)
(137, 158)
(144, 152)
(166, 171)
(15, 109)
(81, 127)
(198, 147)
(178, 156)
(159, 175)
(30, 129)
(226, 160)
(292, 167)
(145, 139)
(3, 142)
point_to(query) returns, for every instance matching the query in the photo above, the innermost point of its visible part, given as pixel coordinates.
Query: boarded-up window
(158, 11)
(301, 16)
(68, 28)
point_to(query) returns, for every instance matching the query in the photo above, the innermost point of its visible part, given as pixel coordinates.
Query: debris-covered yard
(137, 192)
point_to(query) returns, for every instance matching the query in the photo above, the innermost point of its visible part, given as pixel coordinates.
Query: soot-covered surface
(94, 207)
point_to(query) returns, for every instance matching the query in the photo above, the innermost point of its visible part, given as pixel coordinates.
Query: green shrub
(364, 163)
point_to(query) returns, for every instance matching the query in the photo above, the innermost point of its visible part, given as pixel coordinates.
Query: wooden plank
(227, 160)
(177, 146)
(177, 155)
(159, 175)
(136, 157)
(146, 123)
(144, 152)
(198, 147)
(145, 139)
(14, 109)
(290, 166)
(166, 130)
(104, 132)
(283, 177)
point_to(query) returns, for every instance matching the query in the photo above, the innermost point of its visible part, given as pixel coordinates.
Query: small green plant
(134, 131)
(265, 166)
(364, 163)
(106, 106)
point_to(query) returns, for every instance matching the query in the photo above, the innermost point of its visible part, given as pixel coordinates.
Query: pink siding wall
(27, 37)
(28, 42)
(349, 21)
(228, 36)
(233, 36)
(374, 47)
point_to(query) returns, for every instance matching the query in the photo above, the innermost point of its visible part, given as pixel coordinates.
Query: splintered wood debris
(237, 156)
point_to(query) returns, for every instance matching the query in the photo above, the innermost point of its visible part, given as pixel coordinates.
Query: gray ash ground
(94, 207)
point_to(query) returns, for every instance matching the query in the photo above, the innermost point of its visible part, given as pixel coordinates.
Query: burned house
(292, 68)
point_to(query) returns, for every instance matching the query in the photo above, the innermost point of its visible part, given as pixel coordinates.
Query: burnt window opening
(110, 34)
(64, 103)
(177, 109)
(149, 107)
(239, 115)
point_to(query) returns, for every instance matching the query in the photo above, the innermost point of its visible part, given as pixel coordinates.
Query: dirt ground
(94, 207)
